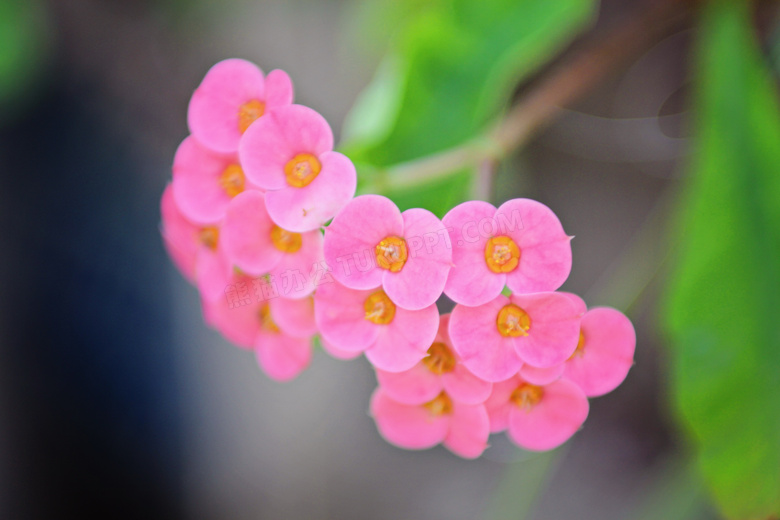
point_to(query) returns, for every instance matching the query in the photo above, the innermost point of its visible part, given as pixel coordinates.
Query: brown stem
(568, 82)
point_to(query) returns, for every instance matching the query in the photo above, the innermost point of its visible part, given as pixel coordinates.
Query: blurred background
(116, 398)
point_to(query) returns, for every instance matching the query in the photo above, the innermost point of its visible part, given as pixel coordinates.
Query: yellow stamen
(248, 113)
(580, 350)
(512, 321)
(526, 396)
(232, 180)
(440, 359)
(379, 309)
(286, 241)
(302, 169)
(502, 254)
(440, 405)
(209, 236)
(266, 321)
(391, 253)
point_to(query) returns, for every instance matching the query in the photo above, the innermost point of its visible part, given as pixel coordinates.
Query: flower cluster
(247, 218)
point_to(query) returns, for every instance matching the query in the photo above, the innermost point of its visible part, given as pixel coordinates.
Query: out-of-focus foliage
(451, 67)
(724, 297)
(24, 40)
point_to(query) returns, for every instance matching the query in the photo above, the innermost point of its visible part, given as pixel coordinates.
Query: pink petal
(418, 385)
(336, 352)
(292, 273)
(498, 404)
(352, 237)
(405, 341)
(552, 421)
(310, 207)
(340, 316)
(276, 138)
(541, 376)
(465, 387)
(554, 332)
(278, 89)
(607, 355)
(196, 187)
(282, 357)
(421, 280)
(214, 107)
(294, 317)
(179, 235)
(213, 272)
(483, 350)
(246, 234)
(411, 427)
(545, 250)
(469, 430)
(470, 281)
(578, 302)
(239, 324)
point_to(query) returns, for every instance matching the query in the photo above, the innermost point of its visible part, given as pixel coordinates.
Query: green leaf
(24, 44)
(451, 69)
(724, 296)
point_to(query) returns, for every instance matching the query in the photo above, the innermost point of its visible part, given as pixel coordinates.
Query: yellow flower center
(502, 254)
(512, 321)
(379, 309)
(209, 236)
(302, 169)
(248, 113)
(391, 253)
(286, 241)
(440, 359)
(440, 405)
(266, 321)
(526, 396)
(232, 180)
(580, 350)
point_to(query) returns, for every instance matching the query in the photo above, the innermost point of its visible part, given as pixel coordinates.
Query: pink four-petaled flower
(289, 153)
(257, 246)
(394, 339)
(232, 96)
(370, 244)
(495, 339)
(537, 417)
(279, 330)
(440, 371)
(521, 245)
(462, 428)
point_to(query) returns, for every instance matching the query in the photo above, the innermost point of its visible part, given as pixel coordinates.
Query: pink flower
(462, 428)
(496, 338)
(278, 329)
(258, 246)
(231, 97)
(521, 245)
(205, 182)
(538, 418)
(544, 376)
(196, 250)
(605, 352)
(289, 153)
(394, 339)
(371, 243)
(440, 371)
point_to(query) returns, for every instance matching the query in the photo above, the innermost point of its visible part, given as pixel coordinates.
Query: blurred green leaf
(24, 40)
(452, 67)
(724, 297)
